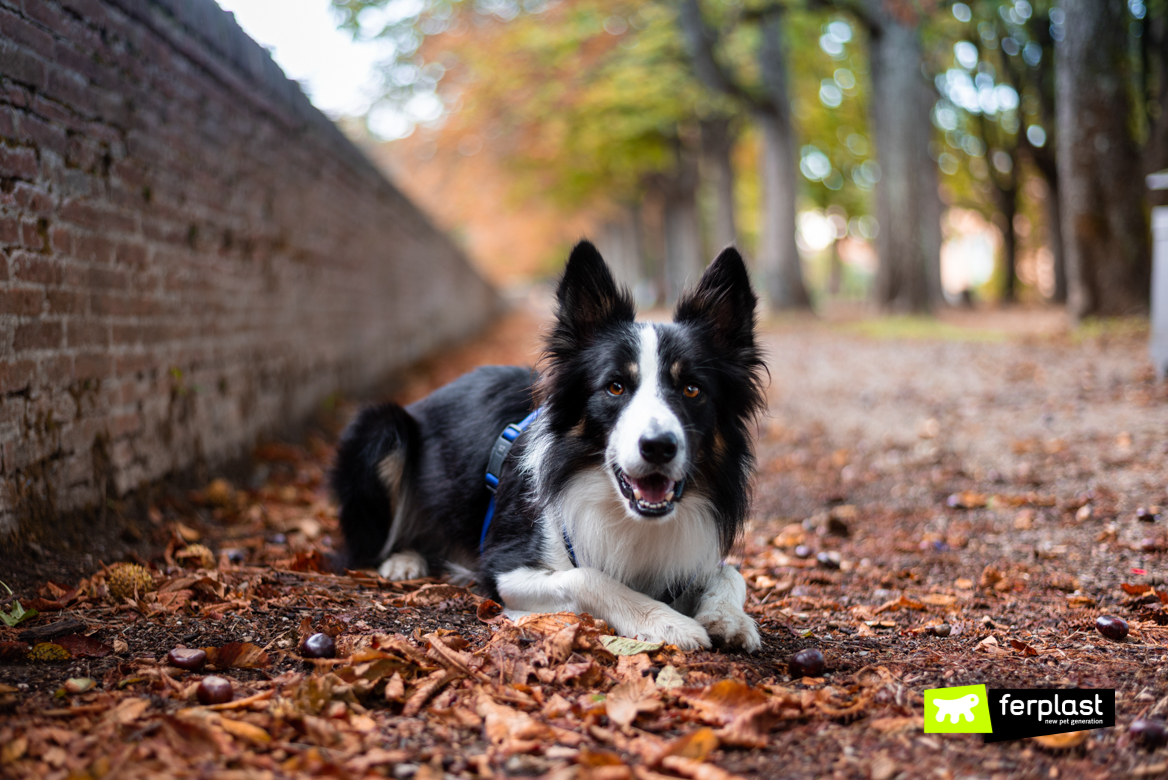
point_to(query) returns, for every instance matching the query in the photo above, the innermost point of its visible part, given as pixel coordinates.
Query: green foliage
(17, 614)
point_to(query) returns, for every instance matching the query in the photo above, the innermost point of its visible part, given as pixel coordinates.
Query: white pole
(1158, 344)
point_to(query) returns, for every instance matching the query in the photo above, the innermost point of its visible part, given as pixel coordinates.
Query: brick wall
(190, 253)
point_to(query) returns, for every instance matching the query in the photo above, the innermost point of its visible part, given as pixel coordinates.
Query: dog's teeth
(637, 493)
(668, 497)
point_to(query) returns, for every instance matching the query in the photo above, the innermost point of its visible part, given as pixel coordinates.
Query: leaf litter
(431, 680)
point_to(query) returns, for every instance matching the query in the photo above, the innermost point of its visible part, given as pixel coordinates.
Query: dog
(621, 478)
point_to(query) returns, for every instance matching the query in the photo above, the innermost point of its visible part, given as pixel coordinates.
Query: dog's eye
(692, 391)
(616, 388)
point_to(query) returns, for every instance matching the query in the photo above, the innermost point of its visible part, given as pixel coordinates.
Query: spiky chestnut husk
(126, 579)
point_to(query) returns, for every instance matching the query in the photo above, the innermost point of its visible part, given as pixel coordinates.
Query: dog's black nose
(659, 448)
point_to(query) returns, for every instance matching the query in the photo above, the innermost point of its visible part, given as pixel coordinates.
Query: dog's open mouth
(652, 495)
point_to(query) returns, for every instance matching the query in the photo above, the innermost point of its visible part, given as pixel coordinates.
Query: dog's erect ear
(723, 302)
(588, 298)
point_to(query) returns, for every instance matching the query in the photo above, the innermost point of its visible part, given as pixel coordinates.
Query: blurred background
(911, 154)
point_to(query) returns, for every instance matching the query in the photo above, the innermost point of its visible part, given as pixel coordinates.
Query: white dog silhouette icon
(956, 708)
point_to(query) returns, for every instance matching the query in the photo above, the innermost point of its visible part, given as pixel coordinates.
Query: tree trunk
(717, 144)
(1054, 217)
(778, 256)
(1008, 207)
(619, 244)
(908, 207)
(1105, 222)
(681, 225)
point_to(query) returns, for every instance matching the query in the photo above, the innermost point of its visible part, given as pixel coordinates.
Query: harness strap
(499, 453)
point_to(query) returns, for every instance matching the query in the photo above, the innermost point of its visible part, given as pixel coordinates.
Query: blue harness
(499, 453)
(495, 465)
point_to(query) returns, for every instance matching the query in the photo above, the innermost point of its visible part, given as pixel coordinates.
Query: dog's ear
(588, 298)
(723, 302)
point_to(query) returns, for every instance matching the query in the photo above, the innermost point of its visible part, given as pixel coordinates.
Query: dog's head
(664, 406)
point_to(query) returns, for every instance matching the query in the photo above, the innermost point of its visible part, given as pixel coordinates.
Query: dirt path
(964, 473)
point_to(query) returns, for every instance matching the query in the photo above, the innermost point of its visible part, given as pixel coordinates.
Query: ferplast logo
(961, 710)
(1001, 714)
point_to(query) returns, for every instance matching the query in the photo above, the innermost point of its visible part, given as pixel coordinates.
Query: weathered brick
(16, 375)
(21, 65)
(9, 230)
(67, 301)
(22, 302)
(36, 268)
(18, 162)
(92, 365)
(38, 335)
(87, 333)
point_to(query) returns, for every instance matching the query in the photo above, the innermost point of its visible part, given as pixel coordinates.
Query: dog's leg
(720, 610)
(404, 565)
(588, 590)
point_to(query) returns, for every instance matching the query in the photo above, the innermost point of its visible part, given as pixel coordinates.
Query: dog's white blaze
(647, 413)
(647, 556)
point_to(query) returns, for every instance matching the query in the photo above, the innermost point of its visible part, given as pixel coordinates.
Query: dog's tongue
(653, 488)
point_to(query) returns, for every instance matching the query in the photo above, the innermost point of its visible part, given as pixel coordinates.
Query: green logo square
(961, 710)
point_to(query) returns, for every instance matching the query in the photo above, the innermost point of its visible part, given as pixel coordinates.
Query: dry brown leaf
(669, 678)
(904, 602)
(627, 700)
(697, 770)
(895, 725)
(698, 745)
(429, 595)
(939, 600)
(548, 623)
(559, 645)
(1064, 741)
(1022, 647)
(723, 701)
(237, 655)
(427, 688)
(127, 711)
(509, 729)
(244, 730)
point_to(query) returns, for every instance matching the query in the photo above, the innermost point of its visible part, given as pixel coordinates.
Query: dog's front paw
(731, 627)
(673, 628)
(407, 565)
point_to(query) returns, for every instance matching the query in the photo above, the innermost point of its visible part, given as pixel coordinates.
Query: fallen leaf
(696, 770)
(625, 701)
(669, 678)
(697, 745)
(245, 730)
(237, 655)
(939, 600)
(1063, 741)
(509, 729)
(1022, 647)
(82, 646)
(623, 645)
(489, 611)
(547, 623)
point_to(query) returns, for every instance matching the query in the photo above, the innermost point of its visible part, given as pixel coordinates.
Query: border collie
(619, 496)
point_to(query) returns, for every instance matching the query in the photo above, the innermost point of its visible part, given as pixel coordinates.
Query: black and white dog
(623, 492)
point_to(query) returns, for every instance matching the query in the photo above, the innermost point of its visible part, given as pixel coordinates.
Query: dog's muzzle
(653, 495)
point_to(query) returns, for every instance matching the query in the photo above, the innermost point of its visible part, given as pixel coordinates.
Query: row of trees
(865, 106)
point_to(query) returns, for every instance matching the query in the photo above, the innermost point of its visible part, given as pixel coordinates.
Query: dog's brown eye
(616, 388)
(692, 391)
